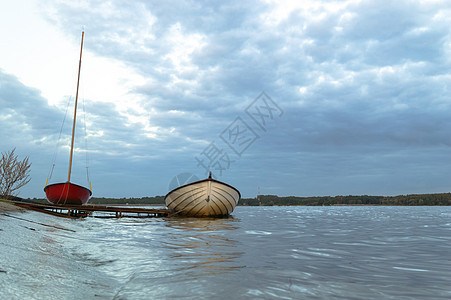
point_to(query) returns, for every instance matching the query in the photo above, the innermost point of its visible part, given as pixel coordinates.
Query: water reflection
(203, 246)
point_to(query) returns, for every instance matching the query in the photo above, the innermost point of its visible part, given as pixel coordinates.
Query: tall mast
(75, 110)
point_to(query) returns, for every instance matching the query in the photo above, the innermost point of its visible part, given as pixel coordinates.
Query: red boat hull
(67, 193)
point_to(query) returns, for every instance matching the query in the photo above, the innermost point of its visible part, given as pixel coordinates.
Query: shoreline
(5, 207)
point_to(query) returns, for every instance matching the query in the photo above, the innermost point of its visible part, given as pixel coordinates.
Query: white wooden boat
(203, 198)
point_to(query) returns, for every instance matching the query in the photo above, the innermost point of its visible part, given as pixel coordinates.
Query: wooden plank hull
(67, 193)
(203, 198)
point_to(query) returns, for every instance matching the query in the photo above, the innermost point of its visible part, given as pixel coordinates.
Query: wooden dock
(96, 211)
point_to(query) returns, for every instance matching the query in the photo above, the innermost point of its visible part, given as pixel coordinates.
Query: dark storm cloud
(24, 112)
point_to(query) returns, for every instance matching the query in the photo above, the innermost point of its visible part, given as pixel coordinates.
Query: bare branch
(14, 174)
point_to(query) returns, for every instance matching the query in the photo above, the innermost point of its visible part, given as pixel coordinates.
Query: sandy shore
(4, 207)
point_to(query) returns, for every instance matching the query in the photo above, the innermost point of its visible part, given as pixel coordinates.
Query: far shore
(437, 199)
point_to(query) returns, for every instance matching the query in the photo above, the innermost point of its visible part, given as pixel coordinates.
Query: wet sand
(5, 206)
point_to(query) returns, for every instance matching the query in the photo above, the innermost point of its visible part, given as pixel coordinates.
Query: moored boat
(203, 198)
(67, 192)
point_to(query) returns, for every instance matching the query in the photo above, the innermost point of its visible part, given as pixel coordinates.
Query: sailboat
(203, 198)
(68, 193)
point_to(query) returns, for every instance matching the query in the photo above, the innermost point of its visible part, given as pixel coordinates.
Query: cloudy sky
(302, 98)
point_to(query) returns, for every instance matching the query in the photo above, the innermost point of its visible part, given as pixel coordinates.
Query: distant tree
(14, 174)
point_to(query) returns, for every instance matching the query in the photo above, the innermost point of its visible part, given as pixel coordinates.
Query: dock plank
(83, 211)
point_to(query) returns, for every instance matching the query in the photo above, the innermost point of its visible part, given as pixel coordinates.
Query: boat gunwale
(204, 180)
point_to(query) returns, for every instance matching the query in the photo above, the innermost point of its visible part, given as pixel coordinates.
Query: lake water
(346, 252)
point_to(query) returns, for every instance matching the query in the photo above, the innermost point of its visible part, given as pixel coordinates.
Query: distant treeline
(272, 200)
(129, 201)
(426, 199)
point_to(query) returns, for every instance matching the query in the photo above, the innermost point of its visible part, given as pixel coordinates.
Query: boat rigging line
(49, 176)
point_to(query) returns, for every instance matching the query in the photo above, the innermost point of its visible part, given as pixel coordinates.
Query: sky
(292, 98)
